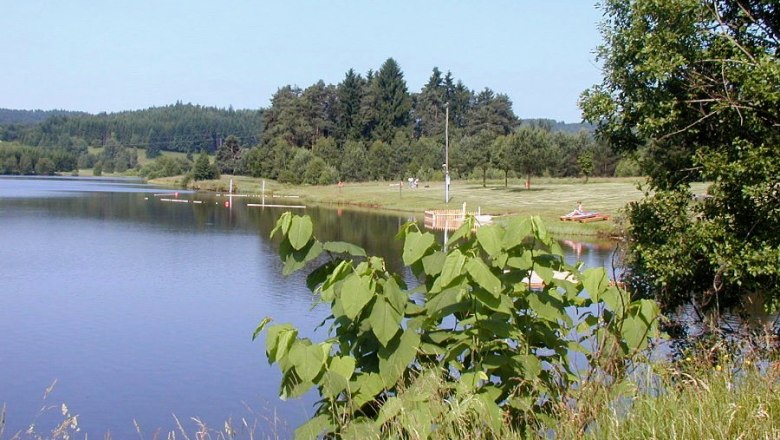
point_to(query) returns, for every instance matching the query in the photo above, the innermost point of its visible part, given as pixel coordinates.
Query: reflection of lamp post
(447, 153)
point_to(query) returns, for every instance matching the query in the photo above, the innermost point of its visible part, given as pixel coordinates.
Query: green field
(548, 198)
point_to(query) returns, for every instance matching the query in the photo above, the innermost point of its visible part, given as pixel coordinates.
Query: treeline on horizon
(367, 127)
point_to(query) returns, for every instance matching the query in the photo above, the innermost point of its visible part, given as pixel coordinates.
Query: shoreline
(548, 198)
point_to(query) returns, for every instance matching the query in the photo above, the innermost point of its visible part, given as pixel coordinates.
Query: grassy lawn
(548, 198)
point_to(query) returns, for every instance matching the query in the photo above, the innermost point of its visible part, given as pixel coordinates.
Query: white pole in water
(231, 192)
(263, 192)
(447, 153)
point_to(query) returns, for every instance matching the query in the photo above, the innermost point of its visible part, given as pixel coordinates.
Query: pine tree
(394, 104)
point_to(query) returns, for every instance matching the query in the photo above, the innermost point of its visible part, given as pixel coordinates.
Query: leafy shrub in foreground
(474, 317)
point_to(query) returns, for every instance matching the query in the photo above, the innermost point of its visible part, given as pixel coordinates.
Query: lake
(141, 309)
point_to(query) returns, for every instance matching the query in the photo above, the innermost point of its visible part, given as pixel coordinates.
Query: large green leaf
(295, 260)
(462, 231)
(444, 303)
(396, 356)
(356, 292)
(416, 246)
(639, 323)
(365, 387)
(482, 275)
(617, 300)
(332, 384)
(340, 247)
(524, 261)
(540, 230)
(433, 263)
(278, 340)
(529, 364)
(595, 282)
(283, 224)
(308, 360)
(453, 267)
(344, 366)
(546, 307)
(385, 320)
(490, 237)
(314, 427)
(517, 230)
(395, 296)
(300, 231)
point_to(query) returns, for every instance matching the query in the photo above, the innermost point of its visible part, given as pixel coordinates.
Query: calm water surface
(141, 309)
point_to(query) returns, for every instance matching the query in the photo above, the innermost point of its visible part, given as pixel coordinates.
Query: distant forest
(367, 127)
(9, 116)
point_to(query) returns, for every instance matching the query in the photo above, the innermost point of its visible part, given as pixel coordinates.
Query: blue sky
(132, 54)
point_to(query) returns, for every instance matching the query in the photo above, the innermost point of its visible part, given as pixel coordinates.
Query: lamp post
(447, 153)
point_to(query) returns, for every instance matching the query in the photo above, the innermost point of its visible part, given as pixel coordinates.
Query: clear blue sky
(132, 54)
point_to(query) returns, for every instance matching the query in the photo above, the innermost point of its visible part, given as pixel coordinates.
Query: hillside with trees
(367, 127)
(178, 127)
(23, 117)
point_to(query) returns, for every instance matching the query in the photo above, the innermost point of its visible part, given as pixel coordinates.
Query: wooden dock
(452, 219)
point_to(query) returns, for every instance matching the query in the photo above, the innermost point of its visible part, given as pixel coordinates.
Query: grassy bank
(548, 198)
(708, 402)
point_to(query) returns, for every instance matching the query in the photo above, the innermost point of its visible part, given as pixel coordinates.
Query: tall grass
(709, 402)
(701, 401)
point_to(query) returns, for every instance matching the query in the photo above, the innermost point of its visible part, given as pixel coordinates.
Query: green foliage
(628, 166)
(165, 166)
(44, 167)
(697, 82)
(179, 127)
(585, 162)
(17, 159)
(228, 156)
(204, 169)
(474, 319)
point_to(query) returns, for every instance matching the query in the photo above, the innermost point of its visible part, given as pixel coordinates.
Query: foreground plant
(475, 319)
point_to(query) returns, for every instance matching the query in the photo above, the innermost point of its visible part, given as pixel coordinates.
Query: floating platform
(585, 218)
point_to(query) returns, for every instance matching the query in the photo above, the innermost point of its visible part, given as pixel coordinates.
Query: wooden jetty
(452, 219)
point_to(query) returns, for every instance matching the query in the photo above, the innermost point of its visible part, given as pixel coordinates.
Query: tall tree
(393, 101)
(430, 108)
(492, 113)
(350, 93)
(698, 81)
(203, 169)
(228, 155)
(529, 152)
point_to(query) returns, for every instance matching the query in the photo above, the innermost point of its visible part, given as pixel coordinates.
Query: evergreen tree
(393, 101)
(350, 93)
(203, 169)
(430, 108)
(228, 155)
